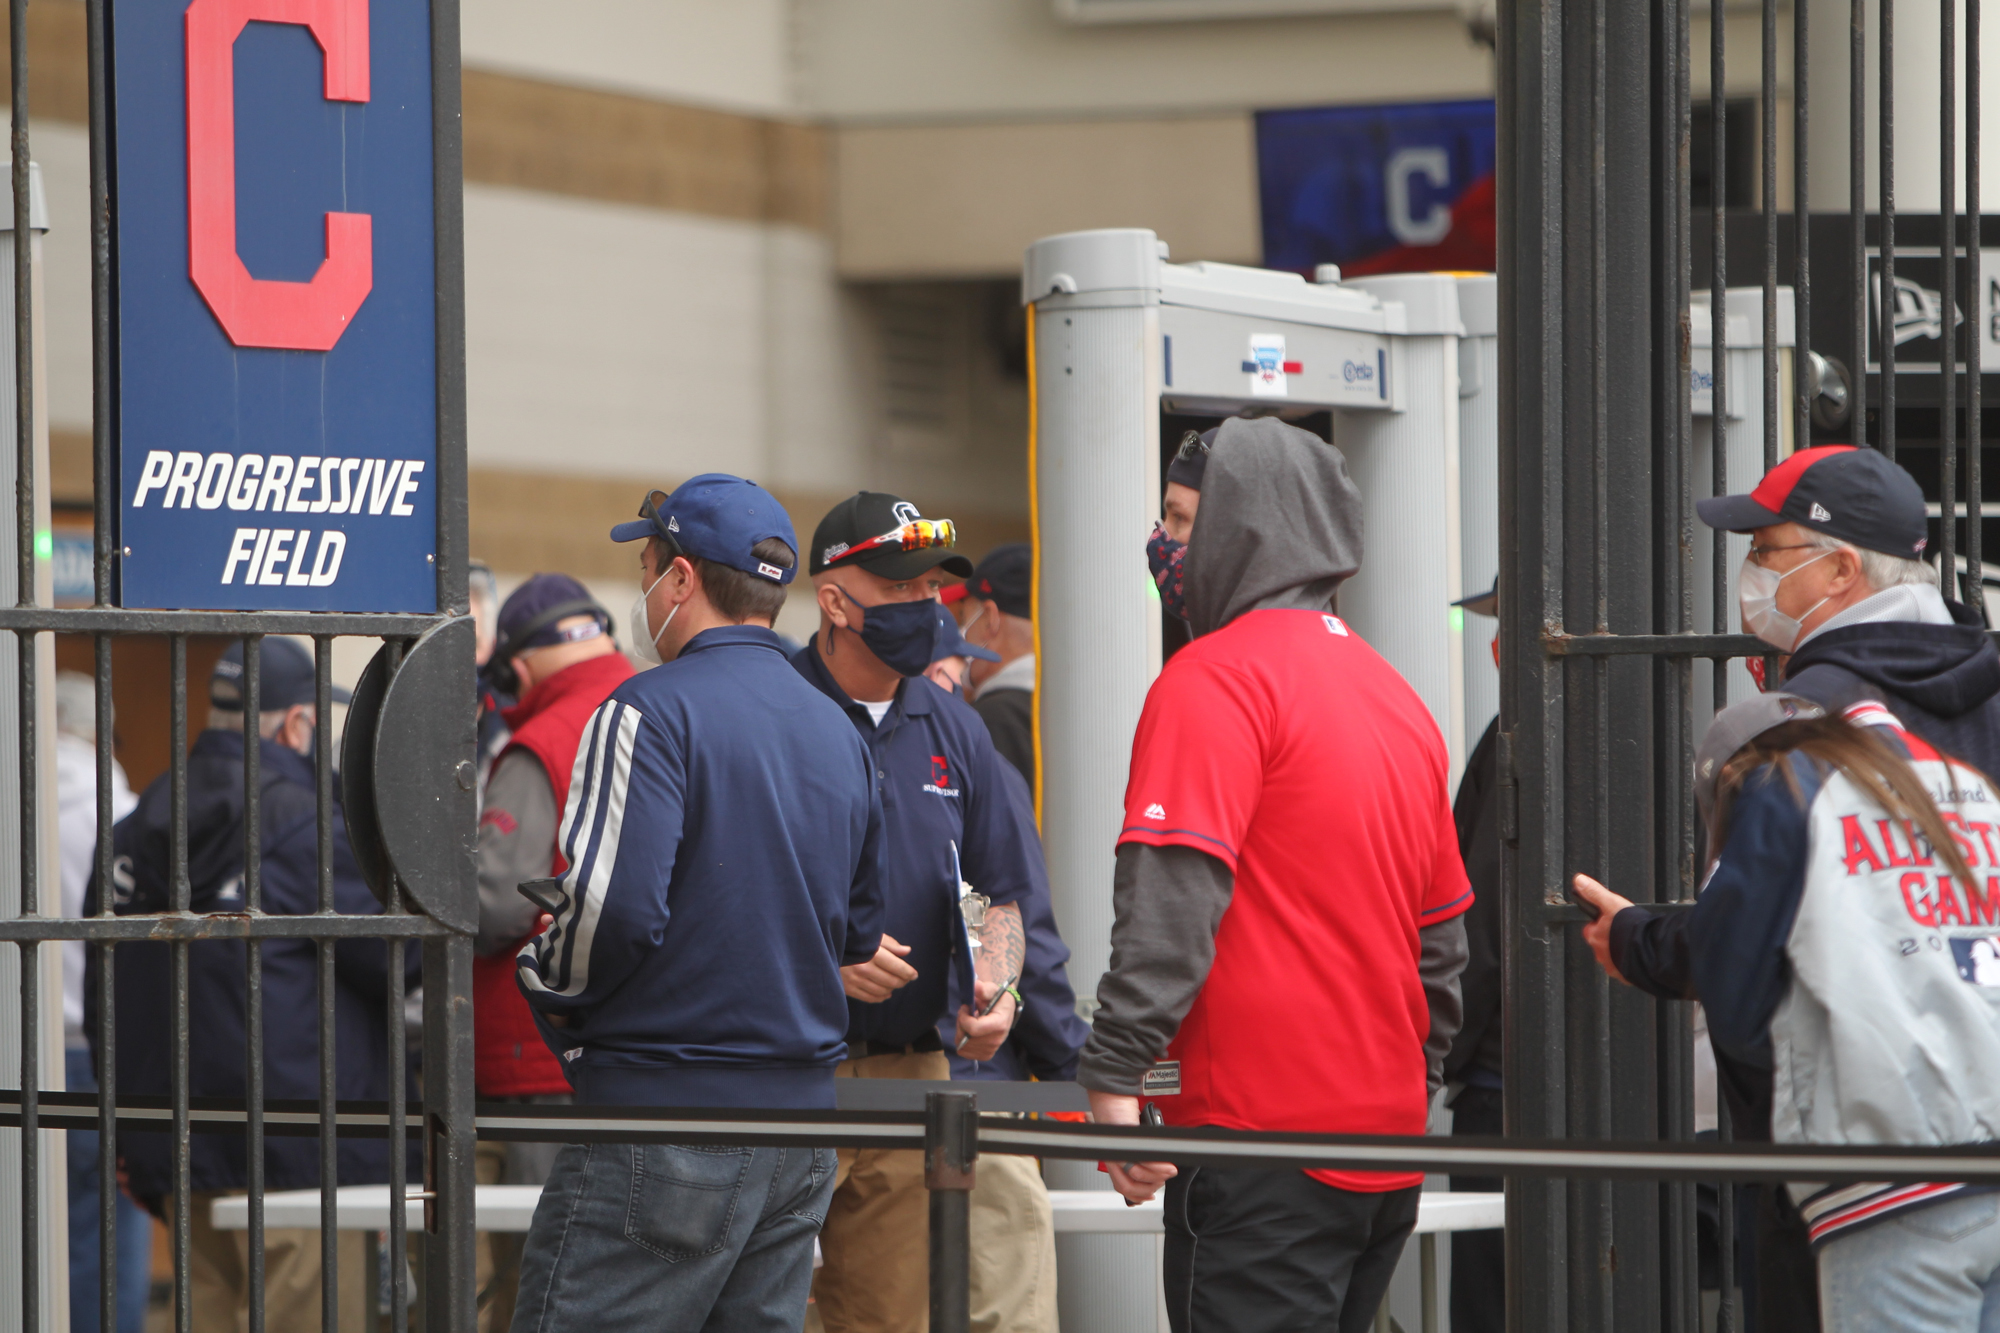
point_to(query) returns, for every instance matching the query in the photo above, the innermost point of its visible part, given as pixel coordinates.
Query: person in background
(483, 597)
(1287, 854)
(953, 654)
(1009, 1197)
(948, 817)
(1000, 599)
(1479, 1258)
(142, 869)
(556, 655)
(76, 846)
(1183, 497)
(723, 834)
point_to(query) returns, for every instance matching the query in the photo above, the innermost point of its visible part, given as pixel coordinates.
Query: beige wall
(966, 200)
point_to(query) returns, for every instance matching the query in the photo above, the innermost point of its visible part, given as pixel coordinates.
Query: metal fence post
(951, 1153)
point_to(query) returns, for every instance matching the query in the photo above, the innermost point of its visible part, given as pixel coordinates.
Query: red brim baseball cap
(1855, 495)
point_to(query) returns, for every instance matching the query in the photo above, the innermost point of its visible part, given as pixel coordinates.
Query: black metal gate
(1601, 555)
(406, 776)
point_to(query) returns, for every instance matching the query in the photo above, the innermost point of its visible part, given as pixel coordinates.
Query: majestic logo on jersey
(1333, 626)
(940, 783)
(1156, 811)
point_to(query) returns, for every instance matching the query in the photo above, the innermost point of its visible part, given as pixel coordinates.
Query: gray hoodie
(1280, 525)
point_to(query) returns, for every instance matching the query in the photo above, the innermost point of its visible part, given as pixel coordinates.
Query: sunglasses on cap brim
(919, 535)
(1191, 448)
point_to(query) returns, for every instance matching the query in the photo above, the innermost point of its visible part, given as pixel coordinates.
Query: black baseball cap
(1190, 461)
(531, 616)
(1856, 495)
(869, 514)
(718, 517)
(284, 678)
(1005, 578)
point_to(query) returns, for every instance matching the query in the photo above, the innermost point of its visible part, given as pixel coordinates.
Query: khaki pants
(876, 1241)
(219, 1275)
(496, 1254)
(1013, 1247)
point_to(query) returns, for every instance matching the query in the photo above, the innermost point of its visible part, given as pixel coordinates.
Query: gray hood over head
(1279, 524)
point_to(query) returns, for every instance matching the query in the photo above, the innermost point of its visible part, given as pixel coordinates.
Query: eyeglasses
(649, 509)
(919, 535)
(1757, 553)
(1192, 447)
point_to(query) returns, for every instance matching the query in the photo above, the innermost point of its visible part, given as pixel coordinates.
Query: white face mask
(646, 643)
(1757, 593)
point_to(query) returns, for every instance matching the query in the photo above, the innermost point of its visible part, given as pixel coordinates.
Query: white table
(512, 1208)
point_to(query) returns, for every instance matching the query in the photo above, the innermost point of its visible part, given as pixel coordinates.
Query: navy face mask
(903, 635)
(1165, 557)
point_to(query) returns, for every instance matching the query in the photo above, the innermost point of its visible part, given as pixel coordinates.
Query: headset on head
(499, 670)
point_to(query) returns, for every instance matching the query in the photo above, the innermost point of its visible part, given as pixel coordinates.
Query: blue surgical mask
(902, 635)
(1166, 558)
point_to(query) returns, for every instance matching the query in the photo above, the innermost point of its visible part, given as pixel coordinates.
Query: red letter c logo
(254, 312)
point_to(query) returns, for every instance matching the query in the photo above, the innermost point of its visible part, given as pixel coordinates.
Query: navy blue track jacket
(941, 782)
(723, 841)
(1048, 1035)
(290, 887)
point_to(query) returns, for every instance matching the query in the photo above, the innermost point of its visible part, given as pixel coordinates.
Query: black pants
(1478, 1258)
(1260, 1251)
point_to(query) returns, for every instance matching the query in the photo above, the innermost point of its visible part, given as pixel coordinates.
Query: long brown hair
(1868, 762)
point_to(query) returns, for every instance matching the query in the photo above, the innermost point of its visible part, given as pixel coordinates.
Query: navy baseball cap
(717, 517)
(1005, 578)
(284, 678)
(1856, 495)
(951, 643)
(530, 616)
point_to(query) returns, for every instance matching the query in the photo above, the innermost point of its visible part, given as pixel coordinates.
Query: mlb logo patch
(1334, 626)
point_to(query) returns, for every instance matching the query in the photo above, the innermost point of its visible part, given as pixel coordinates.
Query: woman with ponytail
(1839, 947)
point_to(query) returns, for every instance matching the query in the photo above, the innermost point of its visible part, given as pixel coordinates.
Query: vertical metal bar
(448, 220)
(951, 1155)
(104, 485)
(105, 1043)
(399, 1145)
(1857, 206)
(1975, 337)
(1804, 388)
(30, 814)
(180, 895)
(1769, 134)
(253, 967)
(329, 1148)
(1885, 289)
(1948, 345)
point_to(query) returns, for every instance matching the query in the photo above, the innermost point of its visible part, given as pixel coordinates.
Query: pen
(993, 1003)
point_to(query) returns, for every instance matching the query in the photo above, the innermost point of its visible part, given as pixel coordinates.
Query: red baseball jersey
(1286, 747)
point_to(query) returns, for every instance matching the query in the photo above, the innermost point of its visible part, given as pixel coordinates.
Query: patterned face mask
(1165, 557)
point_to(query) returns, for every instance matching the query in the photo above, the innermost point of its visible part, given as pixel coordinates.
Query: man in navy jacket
(948, 815)
(721, 837)
(289, 885)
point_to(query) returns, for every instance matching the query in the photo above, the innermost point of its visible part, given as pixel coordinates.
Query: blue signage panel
(275, 358)
(1378, 189)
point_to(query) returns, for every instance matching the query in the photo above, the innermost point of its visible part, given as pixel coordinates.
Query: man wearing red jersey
(555, 646)
(1288, 890)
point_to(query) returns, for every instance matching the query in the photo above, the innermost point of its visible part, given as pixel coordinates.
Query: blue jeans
(135, 1229)
(1934, 1268)
(676, 1239)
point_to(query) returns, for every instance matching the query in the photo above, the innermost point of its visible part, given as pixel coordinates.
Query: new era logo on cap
(1819, 514)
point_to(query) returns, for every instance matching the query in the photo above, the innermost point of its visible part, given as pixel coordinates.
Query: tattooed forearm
(1003, 943)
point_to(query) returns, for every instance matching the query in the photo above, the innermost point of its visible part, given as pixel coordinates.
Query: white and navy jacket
(1832, 947)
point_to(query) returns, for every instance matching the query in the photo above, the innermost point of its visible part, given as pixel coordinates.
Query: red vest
(510, 1059)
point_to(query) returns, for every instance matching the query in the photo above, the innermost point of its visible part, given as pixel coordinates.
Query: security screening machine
(1118, 337)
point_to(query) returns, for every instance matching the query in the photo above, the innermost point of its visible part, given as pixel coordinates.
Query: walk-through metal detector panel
(1118, 337)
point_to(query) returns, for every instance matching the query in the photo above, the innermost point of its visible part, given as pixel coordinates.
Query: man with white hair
(1836, 579)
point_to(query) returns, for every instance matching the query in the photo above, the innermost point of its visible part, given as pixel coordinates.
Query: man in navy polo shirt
(947, 814)
(722, 841)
